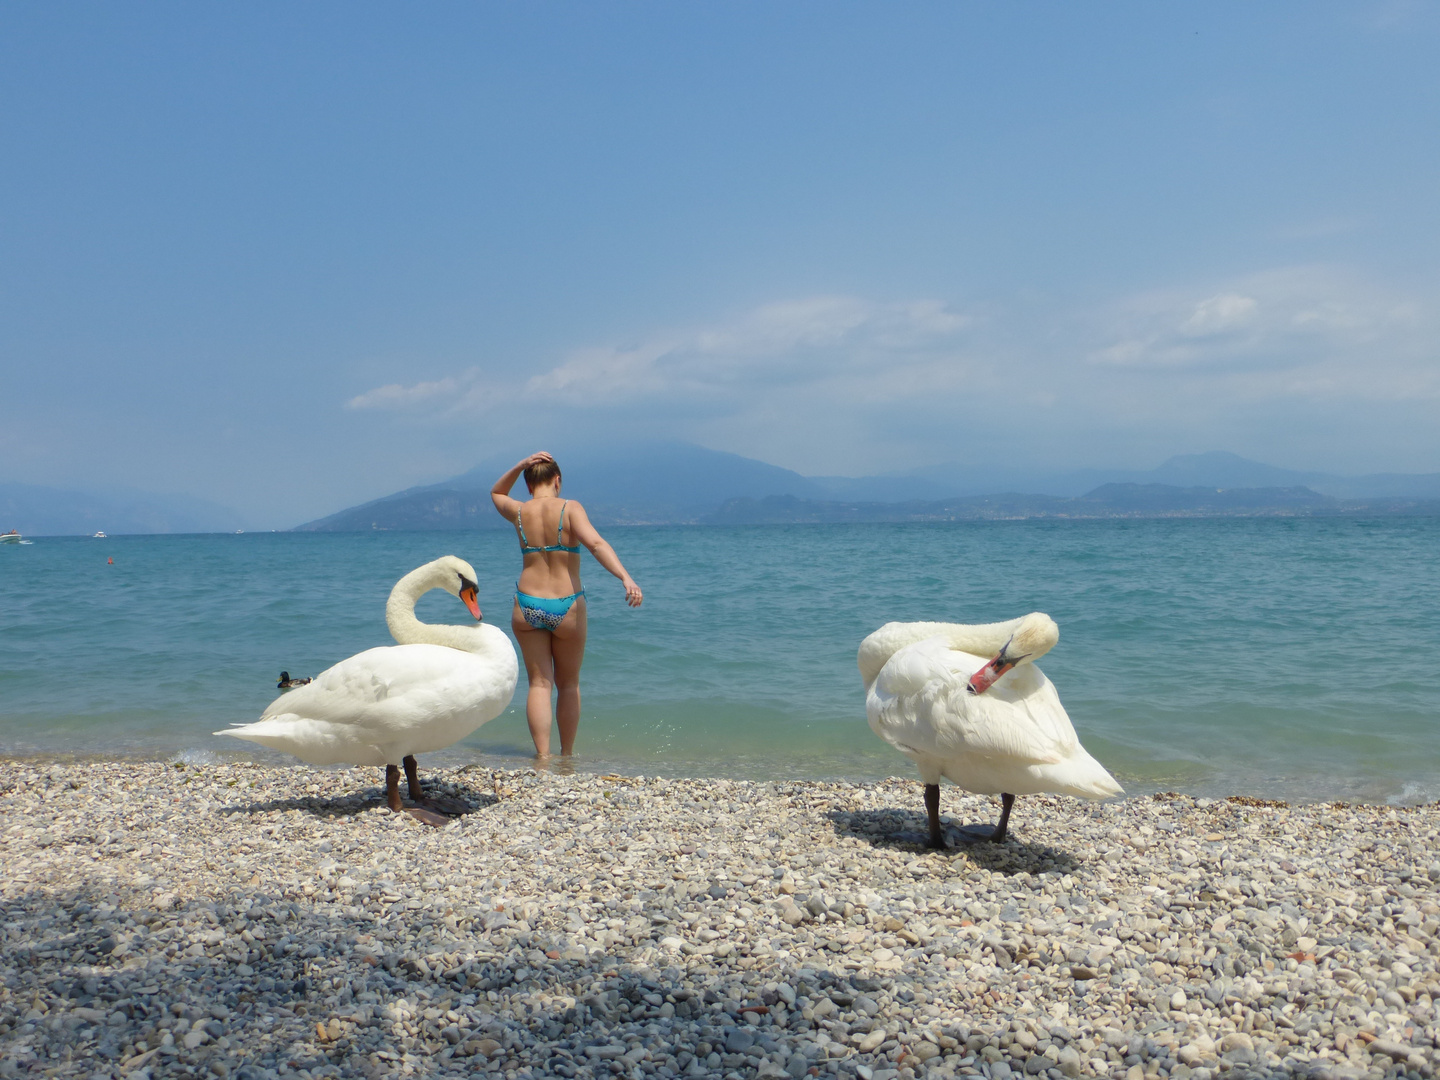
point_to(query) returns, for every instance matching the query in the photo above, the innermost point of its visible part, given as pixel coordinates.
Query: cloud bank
(850, 384)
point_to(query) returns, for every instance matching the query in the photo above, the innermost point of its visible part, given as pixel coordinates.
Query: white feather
(1014, 738)
(377, 707)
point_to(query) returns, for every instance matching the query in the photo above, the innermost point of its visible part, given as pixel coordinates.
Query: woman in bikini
(549, 614)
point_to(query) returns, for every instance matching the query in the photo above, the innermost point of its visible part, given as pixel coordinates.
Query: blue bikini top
(526, 549)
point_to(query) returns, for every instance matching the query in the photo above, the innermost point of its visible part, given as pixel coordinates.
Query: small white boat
(11, 537)
(100, 536)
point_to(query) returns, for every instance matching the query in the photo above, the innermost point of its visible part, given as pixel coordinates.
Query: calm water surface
(1293, 658)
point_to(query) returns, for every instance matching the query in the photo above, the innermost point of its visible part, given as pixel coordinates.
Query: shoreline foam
(257, 921)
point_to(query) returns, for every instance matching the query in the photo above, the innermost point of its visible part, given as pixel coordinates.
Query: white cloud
(395, 396)
(842, 384)
(1297, 331)
(1221, 314)
(834, 346)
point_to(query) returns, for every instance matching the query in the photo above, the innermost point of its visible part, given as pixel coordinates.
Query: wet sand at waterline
(241, 920)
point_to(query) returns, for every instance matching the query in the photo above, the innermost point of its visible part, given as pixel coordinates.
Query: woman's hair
(540, 472)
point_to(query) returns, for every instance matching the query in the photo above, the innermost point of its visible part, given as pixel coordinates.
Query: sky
(292, 257)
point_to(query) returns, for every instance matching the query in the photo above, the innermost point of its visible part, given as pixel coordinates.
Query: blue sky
(296, 256)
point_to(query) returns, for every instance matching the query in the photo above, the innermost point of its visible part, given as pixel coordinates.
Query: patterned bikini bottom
(546, 612)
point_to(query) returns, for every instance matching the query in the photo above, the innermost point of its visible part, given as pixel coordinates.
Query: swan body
(968, 704)
(384, 705)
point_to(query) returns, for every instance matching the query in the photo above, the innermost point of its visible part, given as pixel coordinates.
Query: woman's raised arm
(583, 531)
(500, 493)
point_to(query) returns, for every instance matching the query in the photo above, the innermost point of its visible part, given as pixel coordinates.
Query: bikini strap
(520, 524)
(560, 529)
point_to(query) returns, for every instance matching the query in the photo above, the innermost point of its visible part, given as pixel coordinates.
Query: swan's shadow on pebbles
(899, 829)
(458, 799)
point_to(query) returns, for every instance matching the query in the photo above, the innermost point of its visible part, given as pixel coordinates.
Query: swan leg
(932, 811)
(430, 811)
(994, 833)
(393, 800)
(412, 778)
(1006, 802)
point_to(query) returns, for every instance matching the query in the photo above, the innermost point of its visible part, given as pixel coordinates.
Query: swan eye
(466, 583)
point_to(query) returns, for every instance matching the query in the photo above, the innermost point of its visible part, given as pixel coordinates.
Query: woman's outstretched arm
(583, 531)
(500, 493)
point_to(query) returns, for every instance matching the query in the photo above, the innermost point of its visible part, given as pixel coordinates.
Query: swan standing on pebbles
(385, 705)
(931, 693)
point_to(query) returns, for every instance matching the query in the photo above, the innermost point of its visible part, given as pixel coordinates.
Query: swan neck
(985, 639)
(407, 629)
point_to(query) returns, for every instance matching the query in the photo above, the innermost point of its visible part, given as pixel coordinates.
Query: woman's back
(552, 557)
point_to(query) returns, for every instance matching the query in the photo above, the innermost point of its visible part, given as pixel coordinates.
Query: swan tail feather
(1085, 778)
(315, 742)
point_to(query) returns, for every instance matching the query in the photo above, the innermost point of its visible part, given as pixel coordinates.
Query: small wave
(1412, 793)
(198, 757)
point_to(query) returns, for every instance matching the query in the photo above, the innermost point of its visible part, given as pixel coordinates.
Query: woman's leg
(540, 671)
(568, 651)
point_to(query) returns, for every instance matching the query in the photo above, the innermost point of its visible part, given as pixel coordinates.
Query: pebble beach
(166, 919)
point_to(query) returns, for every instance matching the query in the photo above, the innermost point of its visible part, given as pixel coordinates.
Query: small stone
(871, 1041)
(738, 1041)
(1395, 1050)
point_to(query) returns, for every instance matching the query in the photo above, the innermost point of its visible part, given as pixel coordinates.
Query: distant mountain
(1106, 501)
(652, 483)
(636, 484)
(47, 511)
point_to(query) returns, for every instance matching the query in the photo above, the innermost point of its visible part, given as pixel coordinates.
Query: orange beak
(472, 601)
(985, 678)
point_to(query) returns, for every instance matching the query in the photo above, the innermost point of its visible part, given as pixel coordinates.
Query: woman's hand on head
(536, 458)
(633, 595)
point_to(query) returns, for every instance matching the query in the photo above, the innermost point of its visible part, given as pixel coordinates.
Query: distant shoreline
(783, 510)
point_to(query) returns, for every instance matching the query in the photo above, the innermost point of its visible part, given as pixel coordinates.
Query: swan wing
(383, 703)
(920, 704)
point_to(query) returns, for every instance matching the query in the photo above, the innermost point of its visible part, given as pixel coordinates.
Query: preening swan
(385, 705)
(993, 726)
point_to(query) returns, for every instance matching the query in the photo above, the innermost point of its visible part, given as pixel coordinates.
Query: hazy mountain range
(680, 483)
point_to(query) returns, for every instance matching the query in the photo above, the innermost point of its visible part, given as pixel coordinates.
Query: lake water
(1285, 657)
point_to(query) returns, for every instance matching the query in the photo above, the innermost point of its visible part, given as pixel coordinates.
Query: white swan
(385, 705)
(931, 693)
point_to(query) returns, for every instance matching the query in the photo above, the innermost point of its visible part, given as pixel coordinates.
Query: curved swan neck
(982, 639)
(406, 629)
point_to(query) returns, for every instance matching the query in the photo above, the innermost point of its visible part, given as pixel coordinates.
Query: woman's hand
(633, 595)
(535, 459)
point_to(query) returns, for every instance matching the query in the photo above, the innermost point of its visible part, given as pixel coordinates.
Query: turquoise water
(1291, 658)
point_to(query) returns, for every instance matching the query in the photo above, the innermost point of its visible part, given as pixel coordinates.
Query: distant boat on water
(12, 537)
(100, 536)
